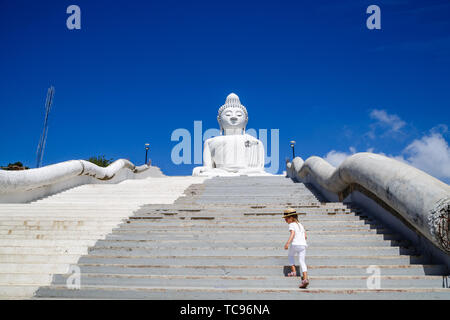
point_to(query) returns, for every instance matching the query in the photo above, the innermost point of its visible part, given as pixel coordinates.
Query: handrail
(23, 180)
(421, 199)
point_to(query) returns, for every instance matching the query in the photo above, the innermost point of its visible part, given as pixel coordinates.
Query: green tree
(15, 166)
(101, 161)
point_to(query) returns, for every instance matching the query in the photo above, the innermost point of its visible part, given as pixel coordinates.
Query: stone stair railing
(28, 185)
(419, 200)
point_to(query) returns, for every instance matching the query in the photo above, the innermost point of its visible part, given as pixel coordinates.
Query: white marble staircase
(45, 237)
(224, 241)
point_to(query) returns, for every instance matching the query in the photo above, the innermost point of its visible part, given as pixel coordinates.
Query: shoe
(304, 284)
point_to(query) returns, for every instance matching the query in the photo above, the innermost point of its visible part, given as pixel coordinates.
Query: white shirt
(299, 237)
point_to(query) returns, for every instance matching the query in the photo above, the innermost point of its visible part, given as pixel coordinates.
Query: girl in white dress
(296, 245)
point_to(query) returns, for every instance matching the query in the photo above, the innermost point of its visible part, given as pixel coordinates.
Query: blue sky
(137, 70)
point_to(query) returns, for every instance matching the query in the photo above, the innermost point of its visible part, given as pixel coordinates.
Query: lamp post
(293, 149)
(147, 145)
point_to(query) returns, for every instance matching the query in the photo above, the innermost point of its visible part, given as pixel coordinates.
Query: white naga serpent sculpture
(16, 182)
(421, 199)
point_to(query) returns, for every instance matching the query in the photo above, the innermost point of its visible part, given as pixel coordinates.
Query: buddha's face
(232, 118)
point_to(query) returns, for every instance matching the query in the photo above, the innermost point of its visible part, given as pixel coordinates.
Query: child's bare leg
(293, 270)
(291, 259)
(305, 275)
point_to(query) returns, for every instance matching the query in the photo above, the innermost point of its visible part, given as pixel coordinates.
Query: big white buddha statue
(234, 152)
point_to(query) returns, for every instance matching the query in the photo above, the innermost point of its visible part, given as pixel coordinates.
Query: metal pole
(42, 141)
(146, 151)
(293, 149)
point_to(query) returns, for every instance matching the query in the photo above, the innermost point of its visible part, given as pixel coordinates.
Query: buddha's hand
(198, 170)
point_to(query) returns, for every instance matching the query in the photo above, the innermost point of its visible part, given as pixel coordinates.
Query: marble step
(79, 250)
(211, 227)
(313, 202)
(36, 268)
(270, 270)
(224, 222)
(246, 202)
(163, 236)
(241, 260)
(36, 258)
(274, 232)
(207, 222)
(187, 224)
(68, 223)
(44, 243)
(324, 236)
(189, 269)
(131, 193)
(244, 210)
(25, 278)
(241, 293)
(195, 207)
(250, 207)
(19, 292)
(275, 257)
(79, 201)
(169, 217)
(84, 215)
(71, 240)
(231, 243)
(75, 205)
(356, 282)
(77, 236)
(290, 194)
(57, 232)
(50, 227)
(248, 216)
(242, 251)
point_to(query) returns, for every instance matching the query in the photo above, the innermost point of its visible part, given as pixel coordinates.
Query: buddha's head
(232, 116)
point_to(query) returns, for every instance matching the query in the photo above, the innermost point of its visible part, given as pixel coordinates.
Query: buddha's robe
(232, 155)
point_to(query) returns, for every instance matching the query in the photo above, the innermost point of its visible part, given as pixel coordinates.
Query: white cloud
(431, 154)
(391, 121)
(335, 158)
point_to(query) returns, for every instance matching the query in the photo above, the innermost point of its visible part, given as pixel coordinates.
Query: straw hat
(289, 212)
